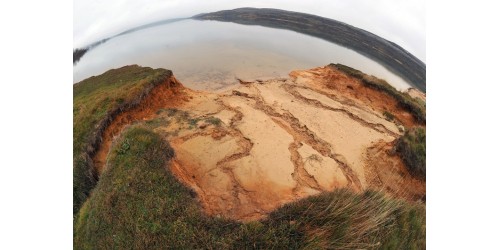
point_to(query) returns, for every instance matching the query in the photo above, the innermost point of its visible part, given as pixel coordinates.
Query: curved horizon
(387, 53)
(402, 22)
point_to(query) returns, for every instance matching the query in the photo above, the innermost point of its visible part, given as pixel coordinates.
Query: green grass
(388, 115)
(95, 101)
(213, 120)
(413, 105)
(139, 204)
(411, 148)
(193, 122)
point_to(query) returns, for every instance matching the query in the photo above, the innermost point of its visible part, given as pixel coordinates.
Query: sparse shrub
(413, 105)
(193, 121)
(172, 111)
(213, 120)
(411, 148)
(125, 146)
(96, 100)
(388, 115)
(315, 157)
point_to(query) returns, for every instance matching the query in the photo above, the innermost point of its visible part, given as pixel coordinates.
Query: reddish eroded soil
(344, 86)
(276, 141)
(166, 95)
(279, 141)
(386, 171)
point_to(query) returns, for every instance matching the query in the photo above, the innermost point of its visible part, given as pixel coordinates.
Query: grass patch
(388, 115)
(413, 105)
(213, 120)
(157, 122)
(96, 101)
(411, 147)
(139, 204)
(193, 122)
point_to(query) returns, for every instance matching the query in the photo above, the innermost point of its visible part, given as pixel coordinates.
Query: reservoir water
(210, 55)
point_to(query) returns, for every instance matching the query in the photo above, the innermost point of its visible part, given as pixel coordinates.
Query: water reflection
(210, 55)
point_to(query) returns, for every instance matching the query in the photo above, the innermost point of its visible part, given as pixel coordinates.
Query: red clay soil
(383, 169)
(353, 88)
(386, 171)
(169, 94)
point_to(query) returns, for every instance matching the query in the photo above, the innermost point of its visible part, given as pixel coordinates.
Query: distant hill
(390, 55)
(387, 53)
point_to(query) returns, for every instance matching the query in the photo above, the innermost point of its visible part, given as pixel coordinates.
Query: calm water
(210, 55)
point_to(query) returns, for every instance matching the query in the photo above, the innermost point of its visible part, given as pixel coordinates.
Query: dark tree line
(78, 53)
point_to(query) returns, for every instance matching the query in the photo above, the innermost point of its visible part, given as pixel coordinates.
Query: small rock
(202, 126)
(401, 128)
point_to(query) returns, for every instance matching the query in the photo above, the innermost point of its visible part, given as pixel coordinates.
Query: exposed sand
(283, 139)
(386, 171)
(280, 140)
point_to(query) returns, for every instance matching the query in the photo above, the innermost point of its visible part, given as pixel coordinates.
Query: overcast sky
(400, 21)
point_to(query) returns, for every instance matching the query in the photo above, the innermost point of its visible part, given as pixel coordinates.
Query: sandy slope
(282, 139)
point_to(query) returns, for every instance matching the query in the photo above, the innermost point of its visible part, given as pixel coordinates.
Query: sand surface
(250, 149)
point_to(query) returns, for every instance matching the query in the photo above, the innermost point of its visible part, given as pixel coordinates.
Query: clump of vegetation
(138, 203)
(213, 120)
(413, 105)
(344, 220)
(315, 157)
(96, 101)
(411, 147)
(193, 122)
(388, 115)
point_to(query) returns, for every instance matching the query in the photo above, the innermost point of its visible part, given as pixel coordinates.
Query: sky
(402, 22)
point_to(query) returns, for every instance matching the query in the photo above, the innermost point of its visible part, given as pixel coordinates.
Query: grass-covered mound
(411, 148)
(138, 204)
(415, 106)
(96, 101)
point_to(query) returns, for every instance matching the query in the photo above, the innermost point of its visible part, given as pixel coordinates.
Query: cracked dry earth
(251, 149)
